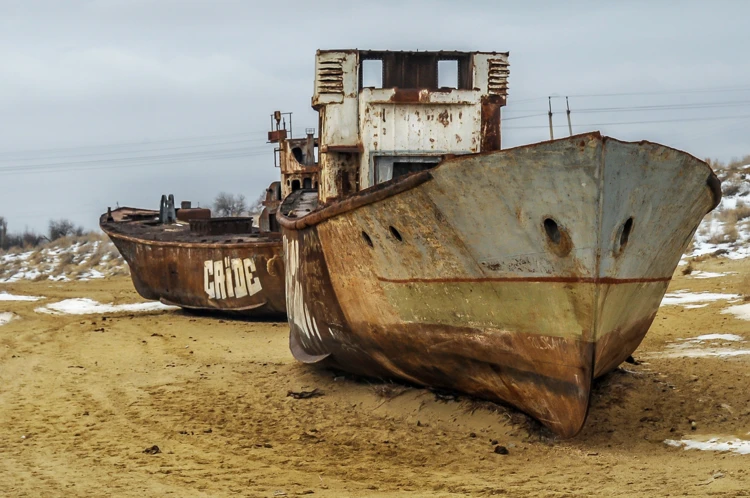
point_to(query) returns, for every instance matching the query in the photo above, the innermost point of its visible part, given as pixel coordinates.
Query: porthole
(553, 231)
(396, 234)
(558, 239)
(367, 239)
(623, 236)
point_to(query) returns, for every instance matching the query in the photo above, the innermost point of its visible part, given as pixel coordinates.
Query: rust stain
(406, 96)
(443, 118)
(490, 122)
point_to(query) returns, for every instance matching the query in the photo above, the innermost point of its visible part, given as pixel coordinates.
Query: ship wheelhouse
(385, 114)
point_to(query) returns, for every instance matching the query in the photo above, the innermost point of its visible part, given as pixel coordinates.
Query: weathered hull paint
(244, 278)
(460, 284)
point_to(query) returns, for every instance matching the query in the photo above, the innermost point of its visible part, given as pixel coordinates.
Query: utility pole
(3, 232)
(570, 127)
(551, 135)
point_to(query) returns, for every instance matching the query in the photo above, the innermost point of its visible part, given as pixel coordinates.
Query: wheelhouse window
(389, 167)
(371, 73)
(447, 74)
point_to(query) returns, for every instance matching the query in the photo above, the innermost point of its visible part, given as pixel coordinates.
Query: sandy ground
(82, 397)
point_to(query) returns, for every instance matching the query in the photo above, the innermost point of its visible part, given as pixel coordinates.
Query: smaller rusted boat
(184, 257)
(197, 262)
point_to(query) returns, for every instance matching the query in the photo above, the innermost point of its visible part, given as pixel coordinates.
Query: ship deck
(143, 225)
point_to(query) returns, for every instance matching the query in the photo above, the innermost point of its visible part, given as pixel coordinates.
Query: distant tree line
(226, 204)
(29, 238)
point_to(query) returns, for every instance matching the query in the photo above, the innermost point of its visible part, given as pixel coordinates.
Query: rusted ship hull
(233, 273)
(517, 276)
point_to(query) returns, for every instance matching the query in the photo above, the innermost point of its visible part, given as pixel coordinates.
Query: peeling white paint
(297, 310)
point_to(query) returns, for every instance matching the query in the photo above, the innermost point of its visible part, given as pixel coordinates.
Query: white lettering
(230, 277)
(240, 287)
(253, 283)
(208, 285)
(221, 287)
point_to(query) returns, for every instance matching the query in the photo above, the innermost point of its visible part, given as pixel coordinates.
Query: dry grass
(70, 257)
(730, 189)
(727, 234)
(731, 235)
(742, 211)
(744, 288)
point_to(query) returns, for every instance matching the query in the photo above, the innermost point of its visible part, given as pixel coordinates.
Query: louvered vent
(497, 76)
(331, 76)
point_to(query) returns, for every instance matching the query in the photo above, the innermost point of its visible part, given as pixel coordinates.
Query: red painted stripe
(585, 280)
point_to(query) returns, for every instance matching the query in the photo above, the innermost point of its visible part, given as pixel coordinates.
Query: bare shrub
(66, 259)
(729, 189)
(735, 164)
(727, 234)
(63, 228)
(3, 232)
(229, 205)
(30, 238)
(716, 238)
(742, 211)
(731, 235)
(688, 268)
(745, 288)
(691, 246)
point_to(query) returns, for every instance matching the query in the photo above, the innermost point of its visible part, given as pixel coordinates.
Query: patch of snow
(707, 274)
(693, 306)
(717, 337)
(741, 311)
(740, 446)
(86, 306)
(683, 297)
(695, 347)
(6, 317)
(91, 274)
(686, 352)
(4, 296)
(714, 225)
(11, 258)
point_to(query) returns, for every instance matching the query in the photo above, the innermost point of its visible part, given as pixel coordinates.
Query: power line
(140, 143)
(664, 107)
(734, 88)
(134, 150)
(617, 123)
(180, 155)
(216, 157)
(525, 117)
(644, 108)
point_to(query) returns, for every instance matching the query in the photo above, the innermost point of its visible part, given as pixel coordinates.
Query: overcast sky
(94, 93)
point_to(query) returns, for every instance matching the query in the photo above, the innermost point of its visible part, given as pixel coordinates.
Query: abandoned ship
(431, 255)
(184, 257)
